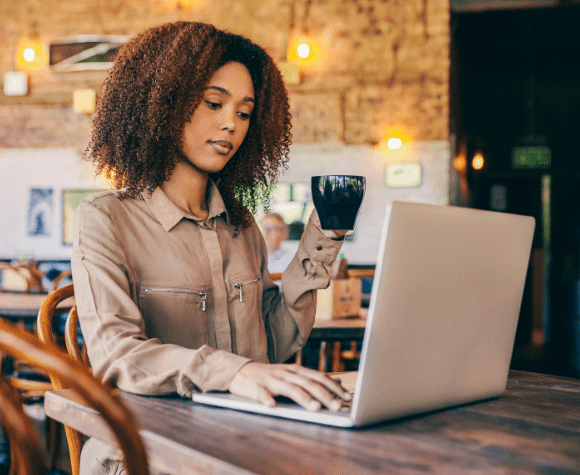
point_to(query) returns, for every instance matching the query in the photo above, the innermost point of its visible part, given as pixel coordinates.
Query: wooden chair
(67, 372)
(25, 449)
(58, 279)
(32, 383)
(44, 329)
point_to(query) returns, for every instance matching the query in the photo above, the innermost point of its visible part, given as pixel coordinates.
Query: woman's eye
(213, 105)
(243, 115)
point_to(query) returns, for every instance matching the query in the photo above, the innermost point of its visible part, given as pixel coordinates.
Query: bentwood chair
(58, 279)
(67, 372)
(44, 328)
(32, 383)
(25, 448)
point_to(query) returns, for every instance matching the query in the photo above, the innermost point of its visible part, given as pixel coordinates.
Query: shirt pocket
(175, 314)
(250, 331)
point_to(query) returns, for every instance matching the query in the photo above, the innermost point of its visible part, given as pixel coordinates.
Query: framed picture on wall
(70, 200)
(40, 212)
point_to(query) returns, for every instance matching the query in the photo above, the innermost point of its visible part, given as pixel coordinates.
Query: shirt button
(319, 248)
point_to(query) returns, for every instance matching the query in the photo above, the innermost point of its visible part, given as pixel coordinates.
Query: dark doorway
(515, 82)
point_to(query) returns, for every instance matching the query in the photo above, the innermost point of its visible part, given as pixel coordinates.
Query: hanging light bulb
(477, 162)
(31, 54)
(303, 50)
(394, 143)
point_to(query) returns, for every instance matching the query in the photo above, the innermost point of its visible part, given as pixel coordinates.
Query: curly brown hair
(151, 91)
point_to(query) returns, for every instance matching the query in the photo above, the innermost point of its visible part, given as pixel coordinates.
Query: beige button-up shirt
(170, 303)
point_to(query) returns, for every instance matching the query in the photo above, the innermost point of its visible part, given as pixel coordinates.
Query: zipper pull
(203, 298)
(239, 287)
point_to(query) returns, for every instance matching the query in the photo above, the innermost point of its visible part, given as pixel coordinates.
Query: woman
(170, 270)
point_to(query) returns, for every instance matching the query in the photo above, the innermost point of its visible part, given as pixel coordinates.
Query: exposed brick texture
(382, 63)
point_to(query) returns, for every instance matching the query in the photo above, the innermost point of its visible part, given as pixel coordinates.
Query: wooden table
(17, 306)
(336, 331)
(533, 428)
(340, 329)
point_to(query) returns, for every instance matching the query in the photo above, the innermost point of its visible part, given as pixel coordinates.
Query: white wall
(23, 169)
(338, 159)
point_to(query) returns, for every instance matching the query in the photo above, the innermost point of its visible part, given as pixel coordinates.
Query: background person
(275, 232)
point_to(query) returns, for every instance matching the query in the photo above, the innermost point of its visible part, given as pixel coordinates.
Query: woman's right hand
(307, 387)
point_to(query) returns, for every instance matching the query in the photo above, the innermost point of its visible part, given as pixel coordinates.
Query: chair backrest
(70, 373)
(59, 278)
(44, 329)
(25, 448)
(44, 326)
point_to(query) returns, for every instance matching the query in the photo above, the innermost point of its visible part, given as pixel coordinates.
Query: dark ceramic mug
(337, 199)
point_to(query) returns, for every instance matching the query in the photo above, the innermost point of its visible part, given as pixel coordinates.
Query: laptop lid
(444, 309)
(442, 318)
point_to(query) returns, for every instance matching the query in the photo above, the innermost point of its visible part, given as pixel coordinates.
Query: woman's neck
(186, 188)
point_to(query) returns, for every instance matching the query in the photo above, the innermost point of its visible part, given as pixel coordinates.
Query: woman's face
(220, 122)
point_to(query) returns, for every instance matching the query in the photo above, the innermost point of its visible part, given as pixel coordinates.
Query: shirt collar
(168, 214)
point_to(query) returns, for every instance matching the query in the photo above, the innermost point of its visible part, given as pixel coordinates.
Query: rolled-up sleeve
(289, 317)
(113, 327)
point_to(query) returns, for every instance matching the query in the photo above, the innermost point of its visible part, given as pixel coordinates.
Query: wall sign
(84, 52)
(531, 157)
(403, 175)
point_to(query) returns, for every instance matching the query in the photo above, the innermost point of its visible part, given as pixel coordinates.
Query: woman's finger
(329, 383)
(315, 389)
(263, 396)
(281, 387)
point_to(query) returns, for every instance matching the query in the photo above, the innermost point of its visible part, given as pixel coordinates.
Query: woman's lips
(223, 147)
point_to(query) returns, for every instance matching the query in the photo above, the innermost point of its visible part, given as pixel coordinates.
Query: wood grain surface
(533, 428)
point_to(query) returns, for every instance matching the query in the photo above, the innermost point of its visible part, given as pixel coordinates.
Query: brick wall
(382, 64)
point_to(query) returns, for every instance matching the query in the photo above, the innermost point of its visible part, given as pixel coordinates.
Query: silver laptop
(442, 319)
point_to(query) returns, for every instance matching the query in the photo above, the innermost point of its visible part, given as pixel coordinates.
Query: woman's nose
(228, 120)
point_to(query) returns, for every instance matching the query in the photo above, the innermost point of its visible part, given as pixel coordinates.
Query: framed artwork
(40, 212)
(70, 200)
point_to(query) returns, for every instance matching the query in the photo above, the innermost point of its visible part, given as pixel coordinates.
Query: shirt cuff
(318, 247)
(210, 370)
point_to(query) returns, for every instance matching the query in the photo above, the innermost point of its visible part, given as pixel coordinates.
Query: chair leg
(298, 359)
(53, 441)
(337, 364)
(5, 466)
(322, 362)
(13, 463)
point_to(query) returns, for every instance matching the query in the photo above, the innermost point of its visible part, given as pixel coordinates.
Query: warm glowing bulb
(460, 163)
(303, 50)
(477, 162)
(29, 54)
(394, 143)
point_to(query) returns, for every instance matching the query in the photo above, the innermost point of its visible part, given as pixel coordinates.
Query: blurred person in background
(275, 232)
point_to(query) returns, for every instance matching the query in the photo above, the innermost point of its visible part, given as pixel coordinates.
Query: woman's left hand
(329, 233)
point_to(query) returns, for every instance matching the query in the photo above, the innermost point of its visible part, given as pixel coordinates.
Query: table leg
(298, 357)
(322, 357)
